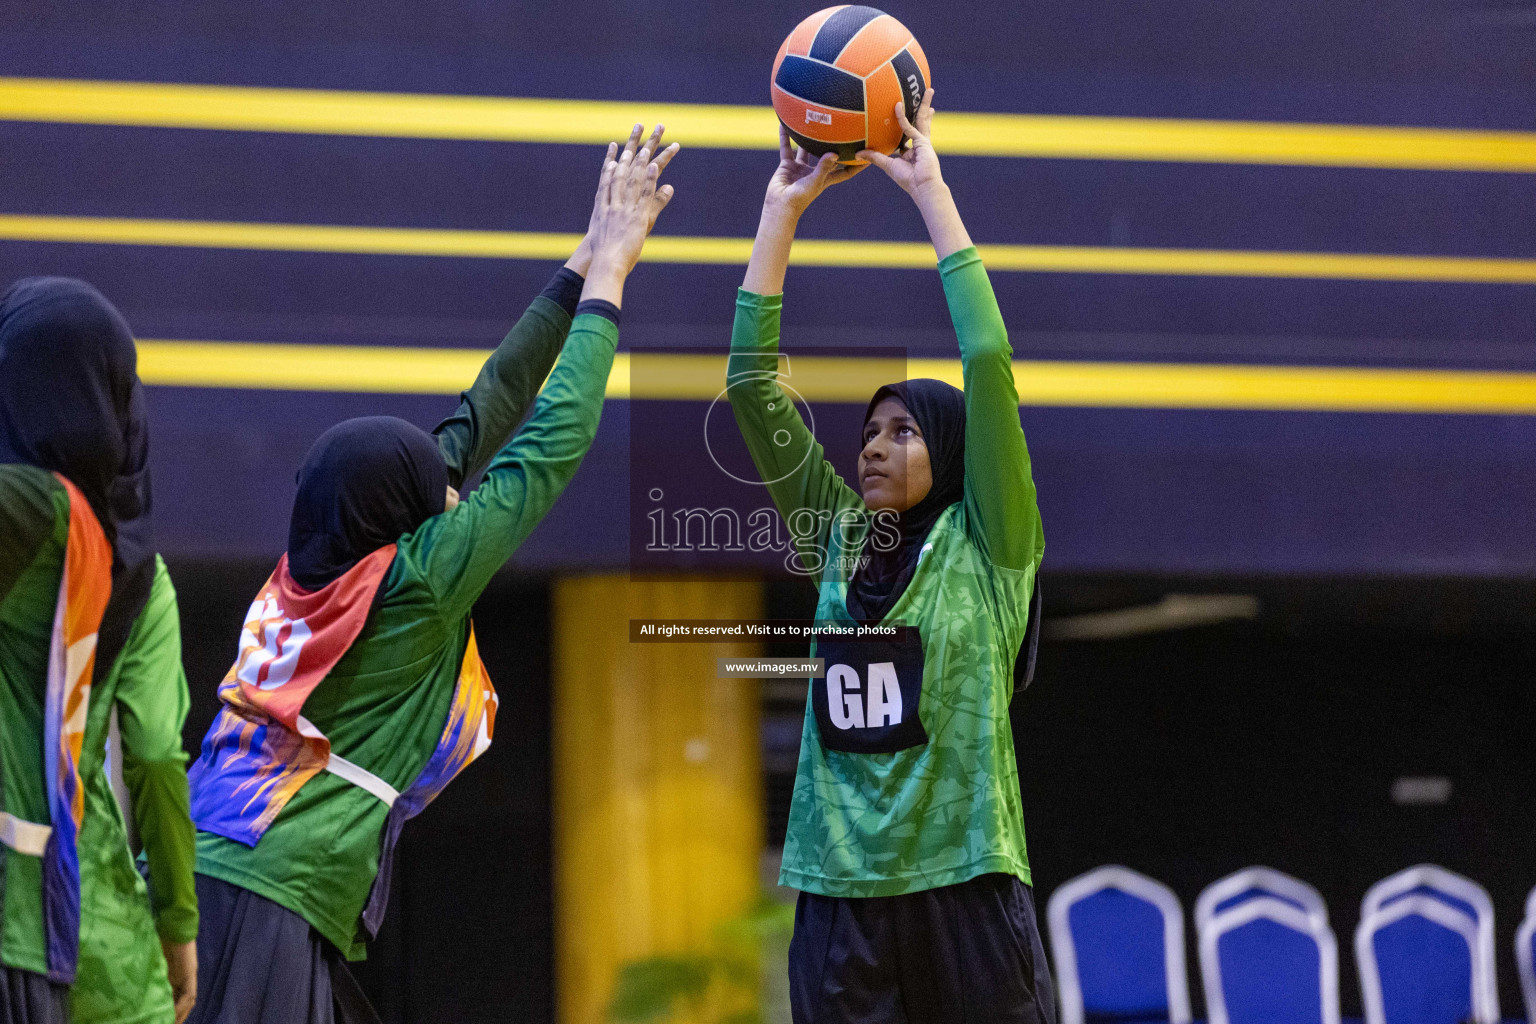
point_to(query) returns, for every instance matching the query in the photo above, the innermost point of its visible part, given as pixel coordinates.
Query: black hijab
(939, 410)
(71, 403)
(365, 483)
(877, 584)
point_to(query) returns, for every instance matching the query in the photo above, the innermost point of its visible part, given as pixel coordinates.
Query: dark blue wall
(1121, 490)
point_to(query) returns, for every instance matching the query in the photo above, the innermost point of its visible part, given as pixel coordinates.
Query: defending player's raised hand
(611, 161)
(626, 206)
(799, 179)
(916, 167)
(581, 259)
(629, 200)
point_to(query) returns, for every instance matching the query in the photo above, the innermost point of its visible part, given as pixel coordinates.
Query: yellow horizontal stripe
(808, 252)
(263, 366)
(701, 378)
(717, 126)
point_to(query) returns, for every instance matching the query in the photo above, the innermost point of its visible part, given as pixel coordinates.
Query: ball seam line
(862, 29)
(910, 40)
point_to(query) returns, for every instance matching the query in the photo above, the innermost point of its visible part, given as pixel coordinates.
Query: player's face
(894, 472)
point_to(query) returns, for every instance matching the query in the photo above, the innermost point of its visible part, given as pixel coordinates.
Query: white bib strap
(24, 836)
(362, 778)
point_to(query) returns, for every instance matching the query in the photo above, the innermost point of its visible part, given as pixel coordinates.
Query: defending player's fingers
(624, 174)
(665, 156)
(653, 144)
(642, 159)
(786, 148)
(660, 200)
(633, 142)
(644, 172)
(606, 186)
(605, 176)
(625, 161)
(646, 187)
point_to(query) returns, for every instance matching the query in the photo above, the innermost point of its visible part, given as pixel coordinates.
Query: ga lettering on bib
(868, 700)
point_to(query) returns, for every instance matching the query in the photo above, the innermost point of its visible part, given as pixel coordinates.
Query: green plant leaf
(647, 990)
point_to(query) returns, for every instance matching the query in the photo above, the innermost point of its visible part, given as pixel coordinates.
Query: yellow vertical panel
(658, 790)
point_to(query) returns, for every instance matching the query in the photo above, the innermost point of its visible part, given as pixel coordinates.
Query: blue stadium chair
(1525, 956)
(1240, 886)
(1117, 938)
(1424, 948)
(1265, 960)
(1306, 984)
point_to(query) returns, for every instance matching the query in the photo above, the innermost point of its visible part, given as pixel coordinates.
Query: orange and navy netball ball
(838, 77)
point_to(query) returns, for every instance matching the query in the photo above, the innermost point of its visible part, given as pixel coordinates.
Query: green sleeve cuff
(752, 300)
(161, 810)
(756, 329)
(596, 323)
(177, 925)
(602, 307)
(960, 258)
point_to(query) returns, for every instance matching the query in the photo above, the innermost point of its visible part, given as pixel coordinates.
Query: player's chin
(879, 494)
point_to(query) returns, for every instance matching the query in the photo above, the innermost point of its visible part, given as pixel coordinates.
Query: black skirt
(959, 954)
(28, 998)
(260, 963)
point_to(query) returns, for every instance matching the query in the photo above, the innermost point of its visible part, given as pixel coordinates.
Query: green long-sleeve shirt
(384, 703)
(947, 809)
(121, 975)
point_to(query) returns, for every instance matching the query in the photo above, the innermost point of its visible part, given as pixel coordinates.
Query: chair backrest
(1240, 886)
(1117, 938)
(1525, 956)
(1425, 949)
(1265, 960)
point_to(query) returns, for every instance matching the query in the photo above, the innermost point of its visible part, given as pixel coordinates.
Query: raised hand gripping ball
(839, 75)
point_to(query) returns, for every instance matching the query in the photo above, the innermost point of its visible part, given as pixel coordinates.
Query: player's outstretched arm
(799, 179)
(459, 551)
(805, 487)
(1000, 504)
(625, 209)
(916, 170)
(509, 381)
